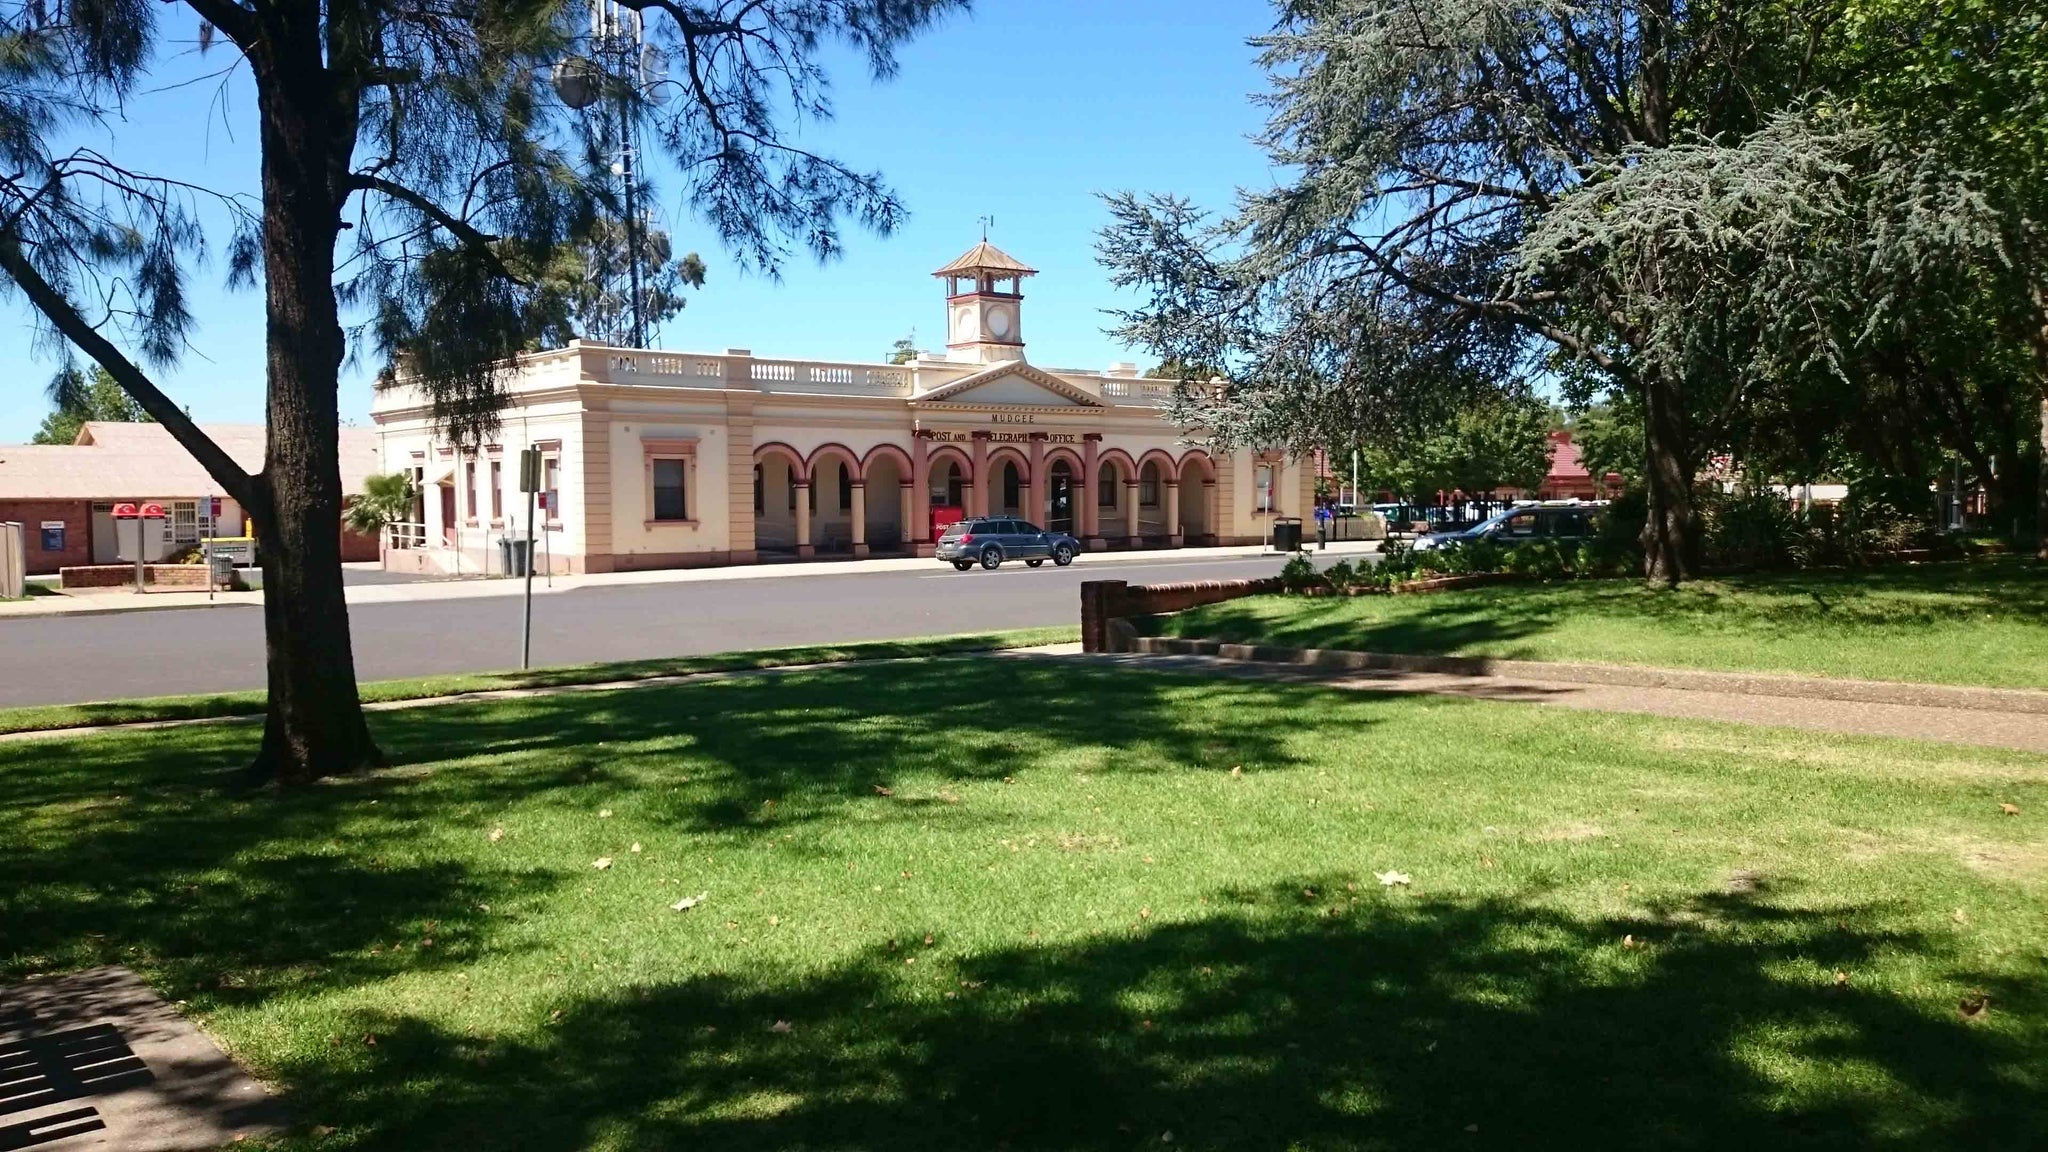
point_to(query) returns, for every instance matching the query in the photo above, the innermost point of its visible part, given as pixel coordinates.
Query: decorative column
(804, 547)
(1210, 513)
(906, 510)
(1036, 487)
(977, 504)
(1091, 472)
(917, 520)
(1174, 539)
(1131, 511)
(860, 517)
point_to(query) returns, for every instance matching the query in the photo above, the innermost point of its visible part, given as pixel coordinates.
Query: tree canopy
(419, 176)
(1758, 227)
(80, 395)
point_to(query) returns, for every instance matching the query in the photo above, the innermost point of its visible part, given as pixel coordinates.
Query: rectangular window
(551, 485)
(497, 490)
(185, 522)
(1262, 482)
(1148, 492)
(668, 491)
(1105, 488)
(469, 490)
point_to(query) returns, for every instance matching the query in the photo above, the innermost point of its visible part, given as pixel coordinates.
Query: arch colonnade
(835, 498)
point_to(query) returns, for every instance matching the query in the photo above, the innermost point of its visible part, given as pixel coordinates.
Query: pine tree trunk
(1669, 546)
(2041, 519)
(315, 725)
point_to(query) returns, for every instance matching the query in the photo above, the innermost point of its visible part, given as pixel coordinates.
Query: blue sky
(1023, 109)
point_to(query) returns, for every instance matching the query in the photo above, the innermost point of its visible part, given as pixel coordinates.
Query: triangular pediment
(1011, 384)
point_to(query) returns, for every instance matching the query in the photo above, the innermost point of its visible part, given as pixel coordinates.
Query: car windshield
(955, 530)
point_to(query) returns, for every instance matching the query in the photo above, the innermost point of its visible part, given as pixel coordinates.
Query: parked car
(1565, 522)
(990, 540)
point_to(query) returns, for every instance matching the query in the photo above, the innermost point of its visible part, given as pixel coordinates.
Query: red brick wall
(77, 517)
(1105, 600)
(116, 575)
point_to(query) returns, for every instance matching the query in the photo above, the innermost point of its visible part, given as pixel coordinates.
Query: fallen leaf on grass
(636, 846)
(2009, 809)
(1237, 772)
(1974, 1006)
(1630, 942)
(779, 1026)
(1841, 979)
(604, 813)
(497, 834)
(1960, 916)
(884, 790)
(688, 902)
(601, 863)
(1390, 878)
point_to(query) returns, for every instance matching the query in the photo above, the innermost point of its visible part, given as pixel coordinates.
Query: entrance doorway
(1059, 503)
(448, 514)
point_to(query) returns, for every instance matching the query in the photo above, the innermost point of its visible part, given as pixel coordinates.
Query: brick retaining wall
(1106, 602)
(118, 575)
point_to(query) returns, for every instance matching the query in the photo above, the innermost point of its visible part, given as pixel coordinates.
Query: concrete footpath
(471, 588)
(2016, 724)
(2025, 731)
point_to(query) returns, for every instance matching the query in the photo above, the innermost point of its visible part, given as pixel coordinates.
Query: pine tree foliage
(419, 177)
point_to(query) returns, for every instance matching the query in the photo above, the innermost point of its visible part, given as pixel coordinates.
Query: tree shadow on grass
(1281, 1020)
(1899, 599)
(134, 848)
(813, 741)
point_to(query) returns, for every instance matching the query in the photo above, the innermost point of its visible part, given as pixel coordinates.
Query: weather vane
(987, 222)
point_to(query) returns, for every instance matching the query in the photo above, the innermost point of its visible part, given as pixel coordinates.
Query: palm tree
(384, 501)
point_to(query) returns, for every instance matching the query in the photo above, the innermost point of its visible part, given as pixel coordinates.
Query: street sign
(529, 470)
(240, 550)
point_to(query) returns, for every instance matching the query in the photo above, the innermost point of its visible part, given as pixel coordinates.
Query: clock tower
(983, 295)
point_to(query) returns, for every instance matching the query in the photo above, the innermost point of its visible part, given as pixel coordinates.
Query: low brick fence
(1107, 606)
(119, 575)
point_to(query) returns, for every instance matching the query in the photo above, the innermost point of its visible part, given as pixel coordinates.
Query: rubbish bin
(221, 569)
(1287, 534)
(514, 555)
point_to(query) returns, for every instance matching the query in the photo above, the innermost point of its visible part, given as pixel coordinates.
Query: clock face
(963, 322)
(999, 322)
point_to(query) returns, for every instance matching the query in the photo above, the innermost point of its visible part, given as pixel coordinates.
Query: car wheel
(991, 557)
(1033, 563)
(963, 565)
(1063, 556)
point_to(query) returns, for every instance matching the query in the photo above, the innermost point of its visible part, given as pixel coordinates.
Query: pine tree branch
(470, 235)
(60, 312)
(231, 19)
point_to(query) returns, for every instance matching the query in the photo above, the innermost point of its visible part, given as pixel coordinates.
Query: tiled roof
(986, 257)
(113, 461)
(1564, 459)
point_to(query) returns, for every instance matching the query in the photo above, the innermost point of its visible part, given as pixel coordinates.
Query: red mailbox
(124, 512)
(944, 514)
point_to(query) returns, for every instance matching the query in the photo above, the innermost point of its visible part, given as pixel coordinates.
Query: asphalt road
(109, 656)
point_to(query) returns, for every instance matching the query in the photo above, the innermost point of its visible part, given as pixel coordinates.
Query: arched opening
(1060, 513)
(887, 502)
(1112, 502)
(778, 471)
(1197, 499)
(834, 472)
(1151, 499)
(1013, 490)
(949, 483)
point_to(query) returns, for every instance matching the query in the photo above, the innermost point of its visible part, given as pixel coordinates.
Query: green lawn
(214, 705)
(1002, 902)
(1982, 623)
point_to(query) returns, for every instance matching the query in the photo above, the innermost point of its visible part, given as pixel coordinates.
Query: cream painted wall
(705, 493)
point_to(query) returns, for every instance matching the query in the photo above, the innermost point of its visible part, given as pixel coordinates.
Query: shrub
(1749, 529)
(1299, 574)
(1341, 575)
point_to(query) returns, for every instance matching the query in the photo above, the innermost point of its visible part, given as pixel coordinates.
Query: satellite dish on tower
(578, 81)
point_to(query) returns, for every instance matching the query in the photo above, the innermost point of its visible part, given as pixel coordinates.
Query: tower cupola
(984, 293)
